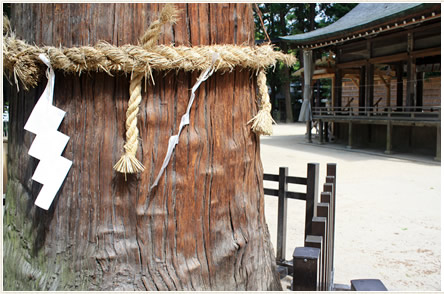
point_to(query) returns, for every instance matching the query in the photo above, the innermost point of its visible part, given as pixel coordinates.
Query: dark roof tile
(364, 15)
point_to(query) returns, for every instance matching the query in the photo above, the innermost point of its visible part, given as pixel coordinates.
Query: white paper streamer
(49, 143)
(185, 120)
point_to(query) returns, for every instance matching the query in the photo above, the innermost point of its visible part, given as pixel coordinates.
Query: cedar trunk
(202, 228)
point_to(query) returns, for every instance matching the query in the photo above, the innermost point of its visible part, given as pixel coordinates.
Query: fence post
(312, 192)
(323, 210)
(320, 228)
(367, 285)
(328, 196)
(331, 169)
(326, 200)
(316, 242)
(309, 126)
(331, 178)
(282, 214)
(326, 132)
(306, 269)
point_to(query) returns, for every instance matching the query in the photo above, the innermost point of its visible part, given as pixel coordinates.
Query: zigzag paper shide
(48, 144)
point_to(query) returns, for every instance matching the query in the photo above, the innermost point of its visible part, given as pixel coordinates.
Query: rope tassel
(128, 163)
(262, 122)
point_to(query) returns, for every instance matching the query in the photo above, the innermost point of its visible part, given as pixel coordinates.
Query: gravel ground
(388, 223)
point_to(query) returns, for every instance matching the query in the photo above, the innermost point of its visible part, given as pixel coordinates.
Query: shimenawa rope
(21, 59)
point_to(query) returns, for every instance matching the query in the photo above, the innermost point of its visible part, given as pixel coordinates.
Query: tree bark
(312, 16)
(285, 85)
(202, 228)
(285, 88)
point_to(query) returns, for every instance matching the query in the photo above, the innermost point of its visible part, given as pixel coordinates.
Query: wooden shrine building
(383, 60)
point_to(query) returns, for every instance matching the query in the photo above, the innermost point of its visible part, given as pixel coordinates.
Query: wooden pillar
(308, 91)
(314, 97)
(370, 80)
(399, 84)
(309, 134)
(369, 75)
(318, 93)
(362, 89)
(321, 131)
(350, 135)
(388, 146)
(201, 228)
(411, 84)
(282, 214)
(338, 87)
(419, 90)
(389, 92)
(411, 76)
(438, 144)
(326, 131)
(338, 96)
(333, 92)
(387, 84)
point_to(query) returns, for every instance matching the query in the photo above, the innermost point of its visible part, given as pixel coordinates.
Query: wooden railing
(312, 265)
(319, 227)
(412, 113)
(311, 182)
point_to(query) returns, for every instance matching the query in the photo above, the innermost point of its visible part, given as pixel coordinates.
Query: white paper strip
(49, 143)
(185, 120)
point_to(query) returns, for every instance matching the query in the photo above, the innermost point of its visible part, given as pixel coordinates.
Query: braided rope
(21, 59)
(151, 36)
(262, 122)
(128, 163)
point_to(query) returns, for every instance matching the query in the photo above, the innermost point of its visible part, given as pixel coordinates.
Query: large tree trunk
(285, 82)
(285, 87)
(202, 228)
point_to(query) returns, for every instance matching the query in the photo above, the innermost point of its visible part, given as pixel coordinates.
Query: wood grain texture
(202, 227)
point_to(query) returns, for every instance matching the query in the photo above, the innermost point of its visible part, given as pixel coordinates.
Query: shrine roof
(365, 18)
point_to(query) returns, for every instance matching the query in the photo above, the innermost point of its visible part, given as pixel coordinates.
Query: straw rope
(262, 122)
(6, 25)
(151, 36)
(128, 163)
(21, 59)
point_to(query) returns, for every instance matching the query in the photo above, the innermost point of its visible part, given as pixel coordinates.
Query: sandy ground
(388, 224)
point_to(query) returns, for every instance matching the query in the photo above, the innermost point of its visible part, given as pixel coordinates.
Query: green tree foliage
(7, 9)
(282, 19)
(331, 12)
